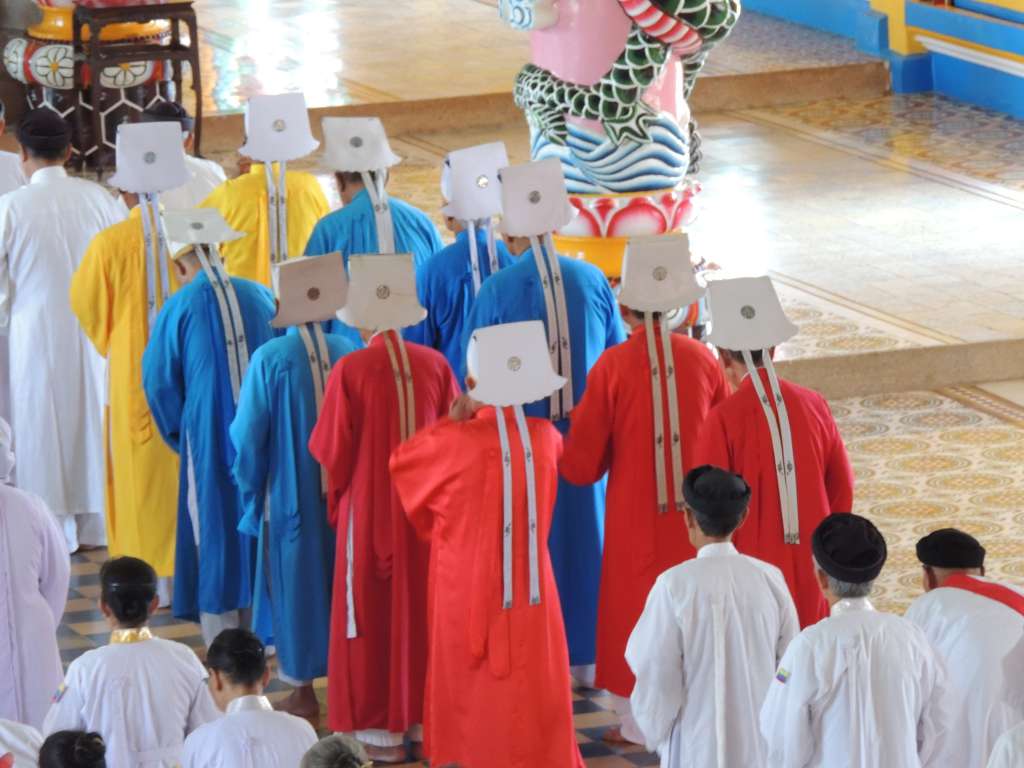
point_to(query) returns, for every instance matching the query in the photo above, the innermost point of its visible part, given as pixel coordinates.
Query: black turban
(43, 130)
(950, 548)
(715, 492)
(168, 112)
(849, 548)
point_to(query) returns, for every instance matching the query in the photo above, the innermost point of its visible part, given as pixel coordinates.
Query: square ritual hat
(534, 201)
(198, 226)
(357, 144)
(309, 289)
(657, 275)
(277, 128)
(382, 293)
(746, 314)
(511, 364)
(150, 158)
(470, 184)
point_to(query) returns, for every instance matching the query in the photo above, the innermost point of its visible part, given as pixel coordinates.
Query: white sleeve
(1008, 751)
(655, 654)
(66, 710)
(202, 710)
(790, 624)
(787, 716)
(55, 569)
(934, 747)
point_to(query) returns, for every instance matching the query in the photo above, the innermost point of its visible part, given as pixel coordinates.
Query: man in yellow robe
(277, 130)
(111, 294)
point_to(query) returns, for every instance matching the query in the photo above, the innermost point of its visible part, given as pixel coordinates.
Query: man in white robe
(34, 574)
(57, 379)
(20, 743)
(859, 689)
(204, 175)
(976, 625)
(251, 733)
(711, 635)
(11, 177)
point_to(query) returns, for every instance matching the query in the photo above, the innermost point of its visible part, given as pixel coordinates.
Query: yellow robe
(108, 294)
(243, 204)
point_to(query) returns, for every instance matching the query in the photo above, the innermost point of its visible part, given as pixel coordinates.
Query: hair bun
(90, 751)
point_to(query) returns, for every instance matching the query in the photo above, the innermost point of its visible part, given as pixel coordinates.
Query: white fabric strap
(559, 348)
(277, 218)
(191, 494)
(659, 416)
(403, 385)
(474, 257)
(374, 184)
(675, 432)
(531, 503)
(565, 340)
(791, 532)
(235, 346)
(351, 630)
(787, 450)
(506, 524)
(492, 245)
(154, 239)
(313, 340)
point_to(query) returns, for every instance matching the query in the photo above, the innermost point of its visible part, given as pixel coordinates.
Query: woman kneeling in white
(251, 733)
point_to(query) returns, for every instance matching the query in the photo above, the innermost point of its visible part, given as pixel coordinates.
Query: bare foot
(388, 755)
(614, 736)
(302, 703)
(416, 751)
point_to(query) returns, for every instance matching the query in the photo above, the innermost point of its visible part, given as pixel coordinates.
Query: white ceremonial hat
(382, 294)
(657, 275)
(150, 158)
(198, 226)
(534, 201)
(310, 289)
(357, 144)
(511, 364)
(470, 184)
(277, 128)
(746, 314)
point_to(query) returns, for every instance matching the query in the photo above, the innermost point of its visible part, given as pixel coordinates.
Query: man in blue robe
(192, 371)
(581, 317)
(369, 221)
(449, 281)
(281, 484)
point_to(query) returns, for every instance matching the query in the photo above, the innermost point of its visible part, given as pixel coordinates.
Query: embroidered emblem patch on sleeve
(59, 693)
(782, 675)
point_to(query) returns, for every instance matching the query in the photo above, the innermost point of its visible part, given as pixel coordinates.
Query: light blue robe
(295, 562)
(577, 531)
(188, 386)
(352, 229)
(445, 286)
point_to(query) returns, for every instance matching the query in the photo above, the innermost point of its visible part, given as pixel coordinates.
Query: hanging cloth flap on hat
(235, 346)
(474, 252)
(403, 384)
(787, 447)
(374, 184)
(663, 380)
(277, 211)
(156, 255)
(1010, 598)
(786, 479)
(557, 322)
(312, 335)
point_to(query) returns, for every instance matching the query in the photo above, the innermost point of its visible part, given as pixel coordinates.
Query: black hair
(73, 749)
(757, 355)
(239, 655)
(720, 524)
(128, 588)
(169, 112)
(355, 177)
(44, 134)
(655, 316)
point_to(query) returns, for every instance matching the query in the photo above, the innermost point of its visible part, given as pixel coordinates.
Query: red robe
(375, 680)
(498, 689)
(613, 431)
(736, 437)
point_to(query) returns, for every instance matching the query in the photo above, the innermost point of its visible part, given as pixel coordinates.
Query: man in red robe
(376, 398)
(483, 491)
(638, 421)
(779, 436)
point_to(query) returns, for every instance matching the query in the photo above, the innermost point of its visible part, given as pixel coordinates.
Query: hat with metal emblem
(310, 289)
(657, 275)
(469, 181)
(150, 158)
(382, 293)
(534, 200)
(277, 128)
(197, 226)
(511, 364)
(746, 314)
(357, 145)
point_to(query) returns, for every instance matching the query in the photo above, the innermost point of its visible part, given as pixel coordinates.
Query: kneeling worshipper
(482, 491)
(251, 733)
(449, 280)
(19, 744)
(369, 221)
(34, 576)
(574, 301)
(779, 435)
(74, 749)
(141, 693)
(638, 421)
(283, 488)
(976, 625)
(56, 378)
(204, 175)
(860, 689)
(276, 208)
(377, 398)
(119, 288)
(192, 373)
(710, 638)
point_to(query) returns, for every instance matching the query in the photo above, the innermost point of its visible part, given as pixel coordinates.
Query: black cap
(715, 491)
(168, 112)
(950, 548)
(849, 548)
(43, 130)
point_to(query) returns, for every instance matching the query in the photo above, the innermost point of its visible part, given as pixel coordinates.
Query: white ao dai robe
(250, 735)
(11, 177)
(704, 653)
(860, 689)
(34, 573)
